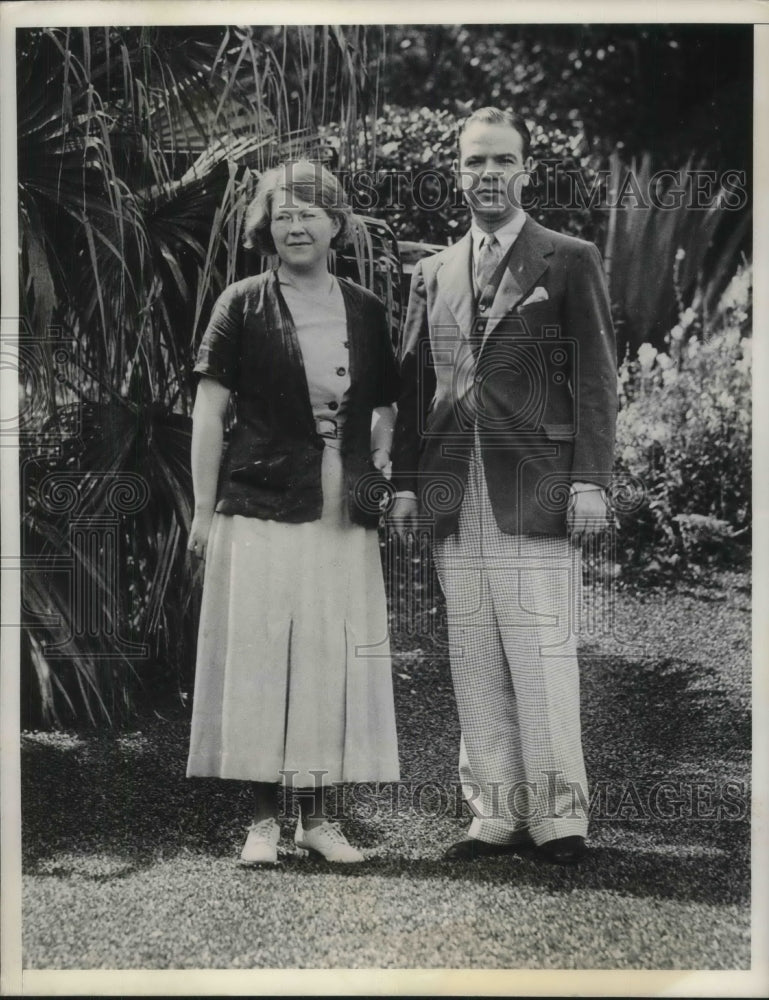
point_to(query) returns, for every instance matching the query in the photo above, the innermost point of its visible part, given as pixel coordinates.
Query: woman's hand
(207, 437)
(199, 531)
(382, 425)
(380, 459)
(404, 516)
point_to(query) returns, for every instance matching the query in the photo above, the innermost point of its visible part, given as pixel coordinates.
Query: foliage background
(684, 434)
(138, 150)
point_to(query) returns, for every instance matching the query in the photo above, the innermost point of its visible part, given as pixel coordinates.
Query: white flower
(688, 317)
(725, 400)
(646, 356)
(737, 292)
(677, 332)
(680, 253)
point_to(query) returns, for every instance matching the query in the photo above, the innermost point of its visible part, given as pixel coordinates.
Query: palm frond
(139, 149)
(654, 254)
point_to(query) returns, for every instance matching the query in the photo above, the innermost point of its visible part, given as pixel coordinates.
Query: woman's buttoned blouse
(320, 321)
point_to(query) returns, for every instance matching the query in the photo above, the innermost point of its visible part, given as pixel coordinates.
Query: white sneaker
(261, 846)
(328, 841)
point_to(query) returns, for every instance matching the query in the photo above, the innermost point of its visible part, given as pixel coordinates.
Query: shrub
(683, 436)
(409, 181)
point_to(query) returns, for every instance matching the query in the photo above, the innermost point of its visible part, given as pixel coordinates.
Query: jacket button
(346, 343)
(482, 307)
(333, 405)
(341, 371)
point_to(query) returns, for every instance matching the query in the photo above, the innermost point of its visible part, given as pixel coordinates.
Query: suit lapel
(455, 283)
(526, 263)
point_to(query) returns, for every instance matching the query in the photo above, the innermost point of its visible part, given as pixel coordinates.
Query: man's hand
(403, 517)
(588, 513)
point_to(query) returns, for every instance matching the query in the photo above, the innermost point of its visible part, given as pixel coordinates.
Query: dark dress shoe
(563, 850)
(471, 848)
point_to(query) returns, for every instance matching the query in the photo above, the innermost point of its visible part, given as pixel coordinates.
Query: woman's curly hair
(306, 181)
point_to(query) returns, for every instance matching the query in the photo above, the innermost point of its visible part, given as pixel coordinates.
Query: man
(505, 430)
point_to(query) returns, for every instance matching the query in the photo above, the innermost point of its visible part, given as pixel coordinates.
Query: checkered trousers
(513, 605)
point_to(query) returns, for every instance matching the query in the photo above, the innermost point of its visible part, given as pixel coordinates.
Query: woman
(293, 680)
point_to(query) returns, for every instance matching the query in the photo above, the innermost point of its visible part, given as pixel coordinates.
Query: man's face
(492, 172)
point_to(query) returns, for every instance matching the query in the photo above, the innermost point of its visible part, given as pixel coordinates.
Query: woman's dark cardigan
(272, 465)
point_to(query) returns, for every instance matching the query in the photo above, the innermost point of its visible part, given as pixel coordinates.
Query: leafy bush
(683, 437)
(409, 181)
(662, 86)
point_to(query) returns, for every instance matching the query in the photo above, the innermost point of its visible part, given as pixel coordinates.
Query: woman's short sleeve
(220, 347)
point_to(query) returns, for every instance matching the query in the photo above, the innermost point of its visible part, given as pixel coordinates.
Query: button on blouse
(320, 321)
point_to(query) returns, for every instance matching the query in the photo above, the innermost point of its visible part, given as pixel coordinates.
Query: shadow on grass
(110, 825)
(704, 880)
(707, 880)
(101, 806)
(665, 710)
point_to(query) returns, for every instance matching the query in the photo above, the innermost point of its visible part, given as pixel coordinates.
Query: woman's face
(302, 232)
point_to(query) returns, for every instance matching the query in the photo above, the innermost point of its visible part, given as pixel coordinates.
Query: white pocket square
(538, 295)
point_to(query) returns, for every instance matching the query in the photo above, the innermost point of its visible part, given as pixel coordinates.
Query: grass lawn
(128, 864)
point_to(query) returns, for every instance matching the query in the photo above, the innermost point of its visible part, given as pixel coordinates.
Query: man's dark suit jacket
(542, 392)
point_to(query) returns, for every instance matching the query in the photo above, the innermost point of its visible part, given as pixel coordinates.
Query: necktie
(489, 256)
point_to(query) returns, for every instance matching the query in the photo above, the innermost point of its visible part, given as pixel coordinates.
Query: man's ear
(528, 166)
(459, 178)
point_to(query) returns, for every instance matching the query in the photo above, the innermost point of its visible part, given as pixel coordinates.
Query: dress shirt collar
(505, 234)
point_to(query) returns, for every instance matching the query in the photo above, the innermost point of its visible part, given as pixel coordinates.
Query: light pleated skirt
(293, 678)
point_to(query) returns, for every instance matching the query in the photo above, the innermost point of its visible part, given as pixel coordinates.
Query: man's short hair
(498, 116)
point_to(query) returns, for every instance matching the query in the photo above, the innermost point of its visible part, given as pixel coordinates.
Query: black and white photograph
(378, 542)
